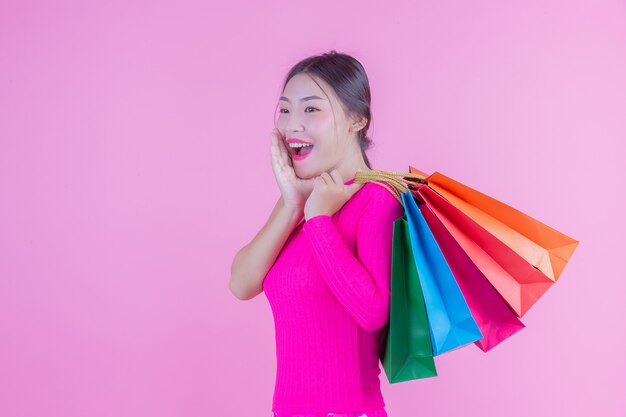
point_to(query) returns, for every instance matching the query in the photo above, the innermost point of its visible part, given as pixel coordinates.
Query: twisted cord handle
(396, 182)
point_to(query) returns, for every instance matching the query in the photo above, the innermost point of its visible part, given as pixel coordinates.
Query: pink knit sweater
(329, 291)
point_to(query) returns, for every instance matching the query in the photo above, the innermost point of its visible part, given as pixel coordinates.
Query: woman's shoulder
(380, 209)
(379, 193)
(370, 201)
(379, 202)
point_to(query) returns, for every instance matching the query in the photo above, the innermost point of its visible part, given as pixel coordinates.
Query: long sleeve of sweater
(360, 282)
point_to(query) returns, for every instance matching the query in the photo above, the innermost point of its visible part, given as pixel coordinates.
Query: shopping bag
(542, 246)
(449, 317)
(519, 265)
(406, 351)
(495, 319)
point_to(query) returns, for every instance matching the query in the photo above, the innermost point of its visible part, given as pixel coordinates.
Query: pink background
(134, 163)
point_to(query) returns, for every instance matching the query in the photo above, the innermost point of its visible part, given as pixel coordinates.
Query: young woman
(323, 258)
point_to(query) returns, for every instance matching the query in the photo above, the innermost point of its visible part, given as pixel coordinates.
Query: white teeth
(299, 145)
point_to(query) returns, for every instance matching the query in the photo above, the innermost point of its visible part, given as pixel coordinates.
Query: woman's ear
(359, 124)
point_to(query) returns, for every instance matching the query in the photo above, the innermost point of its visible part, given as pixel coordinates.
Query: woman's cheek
(325, 128)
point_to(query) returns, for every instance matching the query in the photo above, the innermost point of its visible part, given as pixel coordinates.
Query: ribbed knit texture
(329, 291)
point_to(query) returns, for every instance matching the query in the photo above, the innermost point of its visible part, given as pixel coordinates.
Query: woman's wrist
(291, 212)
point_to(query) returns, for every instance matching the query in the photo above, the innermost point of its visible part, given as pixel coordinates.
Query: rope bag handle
(396, 182)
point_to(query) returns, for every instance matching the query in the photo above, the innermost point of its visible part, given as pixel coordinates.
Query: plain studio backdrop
(135, 163)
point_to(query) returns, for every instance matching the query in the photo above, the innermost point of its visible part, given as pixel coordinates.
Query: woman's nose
(292, 124)
(293, 127)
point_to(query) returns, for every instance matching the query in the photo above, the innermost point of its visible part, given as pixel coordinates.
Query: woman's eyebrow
(303, 99)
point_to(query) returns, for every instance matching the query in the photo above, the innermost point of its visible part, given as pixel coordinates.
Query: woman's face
(305, 113)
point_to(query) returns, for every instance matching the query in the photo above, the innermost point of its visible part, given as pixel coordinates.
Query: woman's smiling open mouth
(299, 149)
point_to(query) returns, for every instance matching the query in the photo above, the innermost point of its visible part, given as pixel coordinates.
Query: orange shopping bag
(520, 255)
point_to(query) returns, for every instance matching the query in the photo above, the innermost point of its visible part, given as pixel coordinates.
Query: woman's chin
(304, 177)
(309, 173)
(302, 174)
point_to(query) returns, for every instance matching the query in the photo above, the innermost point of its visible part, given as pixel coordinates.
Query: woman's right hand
(295, 190)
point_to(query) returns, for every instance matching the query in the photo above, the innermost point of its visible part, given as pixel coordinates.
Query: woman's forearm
(252, 262)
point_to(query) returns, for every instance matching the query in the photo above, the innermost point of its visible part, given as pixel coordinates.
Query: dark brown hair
(348, 79)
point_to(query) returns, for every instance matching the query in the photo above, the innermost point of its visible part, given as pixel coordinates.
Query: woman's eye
(308, 107)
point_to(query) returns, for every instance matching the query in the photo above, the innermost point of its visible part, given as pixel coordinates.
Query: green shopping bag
(406, 351)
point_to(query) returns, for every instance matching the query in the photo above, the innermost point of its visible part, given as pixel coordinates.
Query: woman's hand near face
(295, 190)
(329, 194)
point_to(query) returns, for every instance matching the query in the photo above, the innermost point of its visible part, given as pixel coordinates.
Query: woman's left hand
(329, 194)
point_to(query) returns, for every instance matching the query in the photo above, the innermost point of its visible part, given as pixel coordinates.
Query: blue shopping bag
(449, 317)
